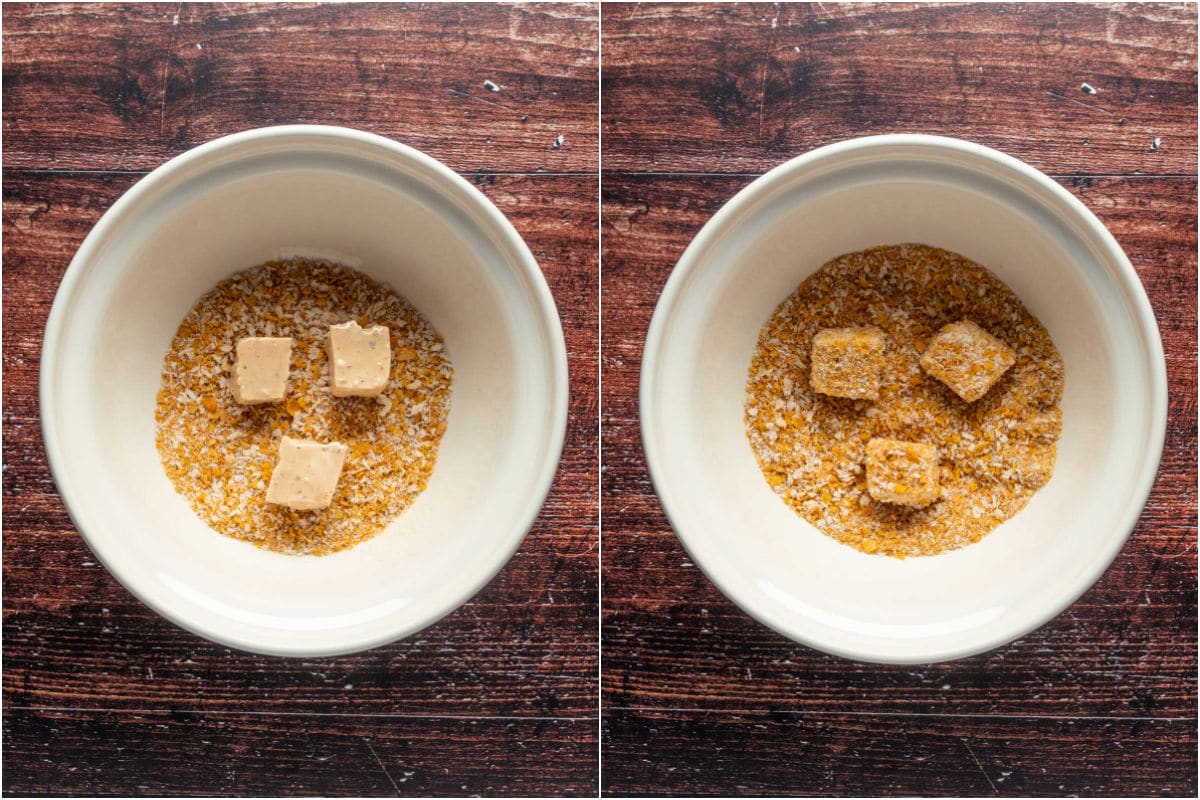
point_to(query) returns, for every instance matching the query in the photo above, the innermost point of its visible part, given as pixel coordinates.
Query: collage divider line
(599, 399)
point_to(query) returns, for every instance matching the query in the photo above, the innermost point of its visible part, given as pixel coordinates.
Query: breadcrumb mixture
(219, 454)
(994, 453)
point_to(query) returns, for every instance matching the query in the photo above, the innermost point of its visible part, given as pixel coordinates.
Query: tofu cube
(260, 373)
(967, 358)
(306, 474)
(902, 473)
(848, 362)
(360, 361)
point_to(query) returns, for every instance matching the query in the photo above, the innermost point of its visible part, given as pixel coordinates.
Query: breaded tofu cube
(306, 473)
(260, 374)
(360, 360)
(848, 362)
(902, 473)
(967, 358)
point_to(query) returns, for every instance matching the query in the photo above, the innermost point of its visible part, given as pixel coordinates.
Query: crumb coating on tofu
(993, 453)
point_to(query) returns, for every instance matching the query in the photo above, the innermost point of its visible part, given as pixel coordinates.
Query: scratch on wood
(981, 769)
(461, 93)
(1081, 103)
(162, 108)
(762, 79)
(762, 98)
(387, 774)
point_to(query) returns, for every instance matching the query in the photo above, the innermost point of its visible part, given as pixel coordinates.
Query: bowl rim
(433, 173)
(1127, 282)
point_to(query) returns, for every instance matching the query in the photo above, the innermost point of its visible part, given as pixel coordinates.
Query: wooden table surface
(698, 698)
(101, 696)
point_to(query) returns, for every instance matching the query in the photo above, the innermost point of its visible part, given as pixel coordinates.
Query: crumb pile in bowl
(993, 453)
(220, 454)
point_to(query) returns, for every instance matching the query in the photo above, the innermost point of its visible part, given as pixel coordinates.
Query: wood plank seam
(1054, 175)
(313, 714)
(66, 172)
(893, 714)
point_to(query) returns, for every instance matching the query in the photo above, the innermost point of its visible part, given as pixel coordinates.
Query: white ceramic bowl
(1069, 272)
(368, 202)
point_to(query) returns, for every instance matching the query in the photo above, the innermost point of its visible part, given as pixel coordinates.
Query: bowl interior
(783, 570)
(403, 220)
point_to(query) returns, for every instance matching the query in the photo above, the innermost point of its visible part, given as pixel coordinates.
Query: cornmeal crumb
(993, 453)
(220, 455)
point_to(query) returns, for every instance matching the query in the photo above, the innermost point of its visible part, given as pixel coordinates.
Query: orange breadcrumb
(993, 454)
(219, 455)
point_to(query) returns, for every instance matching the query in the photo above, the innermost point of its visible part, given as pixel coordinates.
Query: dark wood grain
(740, 88)
(864, 755)
(699, 698)
(173, 753)
(102, 696)
(127, 86)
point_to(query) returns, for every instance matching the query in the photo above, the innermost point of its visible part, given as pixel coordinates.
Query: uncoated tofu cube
(306, 474)
(902, 473)
(360, 361)
(261, 372)
(967, 358)
(848, 362)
